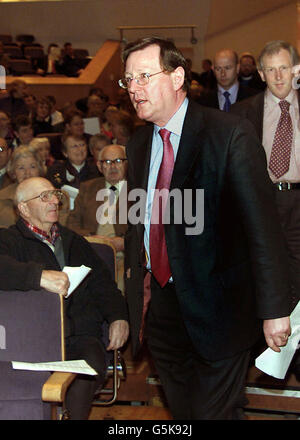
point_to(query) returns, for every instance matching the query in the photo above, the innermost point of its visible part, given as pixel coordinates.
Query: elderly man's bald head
(30, 188)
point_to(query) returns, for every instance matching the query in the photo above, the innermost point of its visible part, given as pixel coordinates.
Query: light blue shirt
(174, 125)
(233, 94)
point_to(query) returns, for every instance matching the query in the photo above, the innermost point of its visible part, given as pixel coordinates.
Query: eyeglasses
(108, 162)
(142, 79)
(47, 196)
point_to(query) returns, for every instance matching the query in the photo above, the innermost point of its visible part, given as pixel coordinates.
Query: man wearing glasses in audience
(86, 218)
(33, 253)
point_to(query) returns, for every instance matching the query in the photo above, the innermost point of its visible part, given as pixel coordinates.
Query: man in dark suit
(263, 110)
(203, 295)
(226, 68)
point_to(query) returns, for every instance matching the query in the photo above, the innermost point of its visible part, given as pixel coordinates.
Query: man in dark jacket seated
(33, 253)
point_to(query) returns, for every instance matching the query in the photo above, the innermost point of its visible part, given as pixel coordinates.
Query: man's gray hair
(19, 197)
(273, 47)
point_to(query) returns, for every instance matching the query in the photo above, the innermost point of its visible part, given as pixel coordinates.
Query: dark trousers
(81, 393)
(288, 205)
(196, 389)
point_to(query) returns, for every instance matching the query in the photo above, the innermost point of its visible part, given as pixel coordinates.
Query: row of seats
(21, 38)
(36, 51)
(25, 53)
(22, 63)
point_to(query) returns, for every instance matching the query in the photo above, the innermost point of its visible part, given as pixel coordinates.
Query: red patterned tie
(282, 145)
(158, 250)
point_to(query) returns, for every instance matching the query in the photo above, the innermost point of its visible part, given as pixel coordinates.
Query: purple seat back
(30, 326)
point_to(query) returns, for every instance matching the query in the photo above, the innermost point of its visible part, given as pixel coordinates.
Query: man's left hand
(118, 334)
(276, 332)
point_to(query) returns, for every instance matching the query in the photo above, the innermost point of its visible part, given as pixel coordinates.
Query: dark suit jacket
(253, 110)
(210, 99)
(255, 82)
(234, 273)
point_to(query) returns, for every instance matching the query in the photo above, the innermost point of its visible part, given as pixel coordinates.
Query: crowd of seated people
(39, 119)
(55, 60)
(24, 117)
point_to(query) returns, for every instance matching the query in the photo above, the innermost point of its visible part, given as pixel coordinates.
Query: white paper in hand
(76, 275)
(276, 364)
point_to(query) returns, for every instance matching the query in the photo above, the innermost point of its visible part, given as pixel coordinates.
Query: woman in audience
(43, 147)
(41, 120)
(74, 126)
(76, 168)
(24, 163)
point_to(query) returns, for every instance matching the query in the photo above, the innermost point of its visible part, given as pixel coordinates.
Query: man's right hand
(55, 281)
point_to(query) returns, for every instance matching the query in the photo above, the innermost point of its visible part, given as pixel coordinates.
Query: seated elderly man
(112, 164)
(32, 255)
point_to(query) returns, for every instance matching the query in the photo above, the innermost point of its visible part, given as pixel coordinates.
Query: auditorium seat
(6, 38)
(81, 53)
(13, 51)
(21, 67)
(25, 38)
(34, 52)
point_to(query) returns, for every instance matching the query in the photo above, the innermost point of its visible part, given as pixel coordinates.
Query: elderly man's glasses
(142, 79)
(47, 196)
(109, 162)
